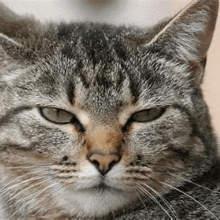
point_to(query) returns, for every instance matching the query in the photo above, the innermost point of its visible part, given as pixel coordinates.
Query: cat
(106, 122)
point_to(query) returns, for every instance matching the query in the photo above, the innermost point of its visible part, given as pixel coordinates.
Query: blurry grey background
(139, 12)
(129, 12)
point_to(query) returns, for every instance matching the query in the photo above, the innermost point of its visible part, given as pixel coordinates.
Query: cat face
(97, 118)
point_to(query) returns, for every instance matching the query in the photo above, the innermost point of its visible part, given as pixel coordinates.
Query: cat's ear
(11, 50)
(10, 25)
(8, 46)
(188, 35)
(21, 37)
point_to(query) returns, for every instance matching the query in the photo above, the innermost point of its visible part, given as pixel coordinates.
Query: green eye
(57, 115)
(147, 115)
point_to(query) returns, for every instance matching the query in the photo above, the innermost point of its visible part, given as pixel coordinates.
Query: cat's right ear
(12, 50)
(9, 48)
(9, 58)
(19, 36)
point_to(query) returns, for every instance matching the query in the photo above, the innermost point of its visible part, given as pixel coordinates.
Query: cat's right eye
(58, 116)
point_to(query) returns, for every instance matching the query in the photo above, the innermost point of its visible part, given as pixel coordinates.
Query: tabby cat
(99, 122)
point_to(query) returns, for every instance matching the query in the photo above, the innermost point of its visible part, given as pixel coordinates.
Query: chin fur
(95, 203)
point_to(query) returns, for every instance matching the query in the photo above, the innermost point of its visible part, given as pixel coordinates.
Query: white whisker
(113, 214)
(35, 196)
(163, 199)
(17, 184)
(140, 198)
(154, 199)
(25, 167)
(173, 187)
(17, 178)
(20, 192)
(189, 181)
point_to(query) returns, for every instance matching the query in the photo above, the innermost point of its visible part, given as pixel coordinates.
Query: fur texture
(95, 119)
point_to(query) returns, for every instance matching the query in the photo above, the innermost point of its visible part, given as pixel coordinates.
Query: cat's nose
(104, 161)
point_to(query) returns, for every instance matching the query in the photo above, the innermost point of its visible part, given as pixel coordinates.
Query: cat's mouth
(101, 188)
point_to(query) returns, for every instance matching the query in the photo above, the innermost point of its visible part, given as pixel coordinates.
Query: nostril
(65, 158)
(95, 163)
(112, 164)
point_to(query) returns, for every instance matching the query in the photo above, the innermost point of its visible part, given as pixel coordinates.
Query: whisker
(173, 187)
(25, 167)
(113, 214)
(189, 181)
(22, 176)
(19, 177)
(35, 196)
(28, 180)
(163, 199)
(16, 195)
(136, 191)
(181, 178)
(151, 165)
(154, 199)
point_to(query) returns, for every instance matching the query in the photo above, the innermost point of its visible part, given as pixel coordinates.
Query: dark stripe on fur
(6, 118)
(196, 133)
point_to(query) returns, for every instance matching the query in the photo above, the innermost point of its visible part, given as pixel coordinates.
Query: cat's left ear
(188, 35)
(12, 51)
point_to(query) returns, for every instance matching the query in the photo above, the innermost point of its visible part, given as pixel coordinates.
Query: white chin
(96, 202)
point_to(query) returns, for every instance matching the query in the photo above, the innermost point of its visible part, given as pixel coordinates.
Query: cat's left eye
(147, 115)
(58, 116)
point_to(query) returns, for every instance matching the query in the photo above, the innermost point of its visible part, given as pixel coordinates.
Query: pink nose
(104, 161)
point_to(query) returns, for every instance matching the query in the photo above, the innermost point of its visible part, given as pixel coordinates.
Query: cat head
(103, 112)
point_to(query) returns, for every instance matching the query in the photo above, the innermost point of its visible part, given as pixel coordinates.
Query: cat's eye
(147, 115)
(58, 116)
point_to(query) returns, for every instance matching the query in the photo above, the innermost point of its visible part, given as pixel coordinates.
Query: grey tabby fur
(139, 144)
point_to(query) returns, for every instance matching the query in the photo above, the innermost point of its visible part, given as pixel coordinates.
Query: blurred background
(129, 12)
